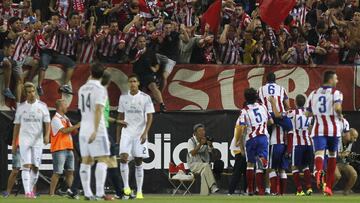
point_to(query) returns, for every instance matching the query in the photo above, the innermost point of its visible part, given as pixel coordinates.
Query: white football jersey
(91, 94)
(31, 118)
(321, 103)
(135, 108)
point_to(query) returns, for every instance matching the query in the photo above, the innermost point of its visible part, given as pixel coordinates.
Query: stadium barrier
(167, 142)
(207, 87)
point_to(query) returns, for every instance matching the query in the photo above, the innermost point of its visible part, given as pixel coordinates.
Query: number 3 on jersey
(258, 117)
(322, 100)
(85, 104)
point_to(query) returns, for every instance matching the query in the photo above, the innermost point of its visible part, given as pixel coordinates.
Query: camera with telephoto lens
(209, 139)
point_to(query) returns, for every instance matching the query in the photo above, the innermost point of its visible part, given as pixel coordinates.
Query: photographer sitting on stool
(198, 159)
(343, 167)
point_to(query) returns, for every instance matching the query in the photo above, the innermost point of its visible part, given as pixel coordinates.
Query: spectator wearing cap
(198, 159)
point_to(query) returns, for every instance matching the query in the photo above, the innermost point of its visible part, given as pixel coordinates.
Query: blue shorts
(302, 156)
(323, 143)
(50, 57)
(277, 157)
(284, 122)
(256, 147)
(63, 159)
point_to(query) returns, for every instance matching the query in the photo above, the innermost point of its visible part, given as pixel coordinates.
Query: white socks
(33, 178)
(85, 176)
(25, 176)
(124, 170)
(139, 176)
(100, 176)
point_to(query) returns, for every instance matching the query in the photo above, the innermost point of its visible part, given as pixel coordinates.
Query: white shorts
(100, 146)
(166, 62)
(30, 155)
(133, 147)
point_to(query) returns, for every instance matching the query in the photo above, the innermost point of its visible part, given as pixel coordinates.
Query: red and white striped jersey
(254, 117)
(301, 125)
(50, 42)
(184, 14)
(63, 7)
(299, 14)
(229, 52)
(275, 90)
(109, 45)
(12, 11)
(321, 103)
(131, 36)
(23, 48)
(66, 42)
(277, 135)
(88, 50)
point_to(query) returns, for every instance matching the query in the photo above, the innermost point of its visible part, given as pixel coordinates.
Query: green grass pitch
(196, 199)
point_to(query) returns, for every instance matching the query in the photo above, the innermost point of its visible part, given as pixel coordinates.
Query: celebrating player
(302, 150)
(32, 125)
(325, 105)
(253, 121)
(93, 137)
(136, 109)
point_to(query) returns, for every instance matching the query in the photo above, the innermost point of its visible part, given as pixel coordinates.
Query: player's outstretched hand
(143, 138)
(92, 137)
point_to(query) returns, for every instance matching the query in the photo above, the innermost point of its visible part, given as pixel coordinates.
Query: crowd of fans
(121, 31)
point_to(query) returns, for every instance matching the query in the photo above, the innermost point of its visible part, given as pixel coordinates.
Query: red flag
(212, 17)
(274, 12)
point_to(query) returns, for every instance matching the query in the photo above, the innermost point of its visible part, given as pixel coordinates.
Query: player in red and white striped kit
(110, 43)
(271, 89)
(278, 160)
(325, 104)
(252, 123)
(302, 150)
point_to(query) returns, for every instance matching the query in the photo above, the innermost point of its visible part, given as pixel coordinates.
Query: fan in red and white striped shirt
(110, 41)
(131, 35)
(63, 7)
(68, 36)
(184, 12)
(230, 45)
(9, 9)
(299, 14)
(23, 47)
(88, 43)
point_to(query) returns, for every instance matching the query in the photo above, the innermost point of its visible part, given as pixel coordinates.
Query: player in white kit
(93, 137)
(32, 125)
(136, 109)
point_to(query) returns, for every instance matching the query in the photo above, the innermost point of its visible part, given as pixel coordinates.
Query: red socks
(319, 162)
(260, 183)
(330, 172)
(297, 182)
(307, 178)
(250, 180)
